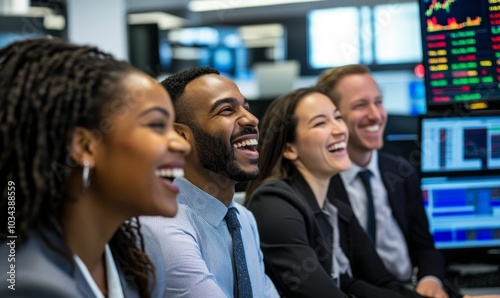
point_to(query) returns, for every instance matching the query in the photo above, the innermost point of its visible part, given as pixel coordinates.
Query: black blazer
(402, 183)
(296, 239)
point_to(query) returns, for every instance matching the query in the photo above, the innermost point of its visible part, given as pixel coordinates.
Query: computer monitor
(15, 28)
(143, 45)
(464, 216)
(461, 50)
(276, 78)
(453, 144)
(224, 60)
(401, 137)
(328, 47)
(396, 27)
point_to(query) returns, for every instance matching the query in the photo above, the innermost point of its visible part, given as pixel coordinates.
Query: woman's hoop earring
(85, 175)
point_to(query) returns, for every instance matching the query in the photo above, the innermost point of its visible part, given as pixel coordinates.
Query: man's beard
(215, 155)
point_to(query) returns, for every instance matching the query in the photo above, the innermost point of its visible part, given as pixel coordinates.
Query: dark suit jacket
(296, 239)
(401, 181)
(42, 272)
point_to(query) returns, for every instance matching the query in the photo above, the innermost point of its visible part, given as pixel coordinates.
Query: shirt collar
(206, 206)
(114, 285)
(350, 174)
(329, 209)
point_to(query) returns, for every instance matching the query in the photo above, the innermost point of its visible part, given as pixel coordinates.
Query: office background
(161, 37)
(294, 42)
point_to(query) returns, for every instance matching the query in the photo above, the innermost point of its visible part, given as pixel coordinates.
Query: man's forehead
(209, 80)
(211, 89)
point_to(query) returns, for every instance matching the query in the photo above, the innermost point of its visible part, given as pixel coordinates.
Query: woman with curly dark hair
(87, 144)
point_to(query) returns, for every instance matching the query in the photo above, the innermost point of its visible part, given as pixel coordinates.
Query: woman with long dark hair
(312, 247)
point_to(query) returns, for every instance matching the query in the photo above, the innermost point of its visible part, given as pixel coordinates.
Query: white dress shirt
(114, 285)
(390, 242)
(340, 262)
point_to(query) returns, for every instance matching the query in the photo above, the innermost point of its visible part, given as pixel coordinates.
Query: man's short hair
(176, 85)
(329, 79)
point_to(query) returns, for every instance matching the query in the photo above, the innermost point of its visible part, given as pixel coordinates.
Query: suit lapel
(324, 228)
(129, 288)
(64, 264)
(337, 190)
(83, 285)
(344, 224)
(300, 186)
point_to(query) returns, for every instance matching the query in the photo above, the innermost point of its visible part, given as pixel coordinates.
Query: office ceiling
(242, 15)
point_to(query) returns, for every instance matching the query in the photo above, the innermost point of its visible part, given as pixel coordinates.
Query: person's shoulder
(273, 186)
(388, 157)
(43, 285)
(390, 160)
(278, 195)
(160, 225)
(271, 190)
(35, 273)
(34, 253)
(241, 208)
(344, 210)
(244, 212)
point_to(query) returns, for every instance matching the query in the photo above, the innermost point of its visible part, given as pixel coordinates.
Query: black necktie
(370, 209)
(242, 284)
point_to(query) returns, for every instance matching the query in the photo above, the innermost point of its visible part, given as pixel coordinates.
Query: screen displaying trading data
(461, 50)
(463, 212)
(460, 143)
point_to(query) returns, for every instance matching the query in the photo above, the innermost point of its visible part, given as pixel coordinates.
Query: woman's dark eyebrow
(156, 109)
(317, 116)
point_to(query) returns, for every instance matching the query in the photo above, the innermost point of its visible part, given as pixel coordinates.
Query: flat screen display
(460, 143)
(397, 33)
(461, 50)
(463, 212)
(334, 37)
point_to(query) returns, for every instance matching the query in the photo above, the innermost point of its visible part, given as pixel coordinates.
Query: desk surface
(481, 291)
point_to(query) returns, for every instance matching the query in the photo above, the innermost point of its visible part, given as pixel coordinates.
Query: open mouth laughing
(337, 147)
(169, 173)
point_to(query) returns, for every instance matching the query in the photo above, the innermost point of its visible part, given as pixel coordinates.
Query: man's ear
(290, 152)
(83, 146)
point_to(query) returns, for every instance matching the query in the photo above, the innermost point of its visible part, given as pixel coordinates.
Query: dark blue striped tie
(371, 226)
(242, 284)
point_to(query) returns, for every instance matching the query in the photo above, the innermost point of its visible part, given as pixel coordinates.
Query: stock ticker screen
(461, 50)
(460, 143)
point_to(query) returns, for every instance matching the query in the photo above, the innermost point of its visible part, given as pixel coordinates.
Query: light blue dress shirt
(197, 247)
